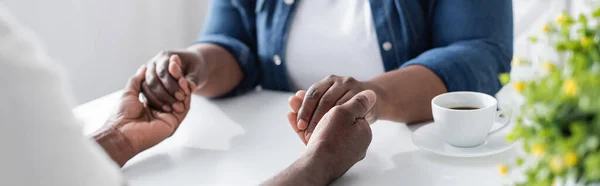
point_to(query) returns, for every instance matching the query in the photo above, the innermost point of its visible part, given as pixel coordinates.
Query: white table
(246, 140)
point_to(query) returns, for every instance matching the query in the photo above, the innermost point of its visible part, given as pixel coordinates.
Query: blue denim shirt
(467, 43)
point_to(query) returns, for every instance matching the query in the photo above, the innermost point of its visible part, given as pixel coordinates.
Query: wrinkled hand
(134, 127)
(310, 106)
(162, 89)
(343, 135)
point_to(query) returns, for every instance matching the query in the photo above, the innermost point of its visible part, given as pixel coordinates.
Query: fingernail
(308, 135)
(166, 108)
(180, 96)
(302, 124)
(175, 58)
(178, 107)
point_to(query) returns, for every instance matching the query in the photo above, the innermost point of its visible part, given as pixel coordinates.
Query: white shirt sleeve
(41, 142)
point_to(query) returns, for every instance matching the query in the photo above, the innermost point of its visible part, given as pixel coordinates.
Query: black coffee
(464, 108)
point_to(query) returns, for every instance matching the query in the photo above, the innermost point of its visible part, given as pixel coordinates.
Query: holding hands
(309, 107)
(162, 87)
(338, 142)
(135, 126)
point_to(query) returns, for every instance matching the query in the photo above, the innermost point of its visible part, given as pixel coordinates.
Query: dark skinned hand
(343, 135)
(310, 106)
(161, 89)
(135, 127)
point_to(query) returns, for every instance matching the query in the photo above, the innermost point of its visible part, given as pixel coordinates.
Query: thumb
(175, 66)
(361, 103)
(135, 82)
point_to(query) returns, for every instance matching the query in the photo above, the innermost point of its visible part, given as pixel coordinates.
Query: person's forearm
(406, 93)
(308, 170)
(115, 145)
(223, 72)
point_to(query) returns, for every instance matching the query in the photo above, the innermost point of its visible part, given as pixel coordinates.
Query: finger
(296, 100)
(178, 107)
(311, 99)
(152, 100)
(186, 104)
(292, 120)
(177, 60)
(192, 86)
(300, 94)
(156, 87)
(328, 100)
(295, 103)
(164, 71)
(346, 97)
(175, 71)
(133, 87)
(175, 67)
(183, 84)
(186, 108)
(360, 104)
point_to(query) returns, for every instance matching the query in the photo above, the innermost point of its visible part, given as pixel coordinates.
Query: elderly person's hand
(135, 127)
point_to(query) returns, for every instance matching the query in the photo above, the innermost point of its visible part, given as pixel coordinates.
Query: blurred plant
(559, 122)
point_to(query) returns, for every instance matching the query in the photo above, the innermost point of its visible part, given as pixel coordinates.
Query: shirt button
(387, 46)
(277, 60)
(288, 2)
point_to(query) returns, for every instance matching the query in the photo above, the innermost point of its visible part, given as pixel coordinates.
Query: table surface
(246, 140)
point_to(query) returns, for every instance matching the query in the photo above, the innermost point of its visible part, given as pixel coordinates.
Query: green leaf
(561, 47)
(583, 19)
(504, 78)
(519, 161)
(533, 39)
(592, 167)
(596, 13)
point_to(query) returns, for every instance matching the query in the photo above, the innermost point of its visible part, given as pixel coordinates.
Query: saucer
(429, 139)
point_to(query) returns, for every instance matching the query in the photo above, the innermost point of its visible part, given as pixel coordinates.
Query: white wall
(102, 42)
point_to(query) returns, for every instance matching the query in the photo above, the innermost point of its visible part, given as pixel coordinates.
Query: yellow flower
(503, 169)
(547, 66)
(586, 42)
(538, 150)
(570, 87)
(571, 159)
(516, 61)
(556, 164)
(519, 86)
(546, 29)
(561, 19)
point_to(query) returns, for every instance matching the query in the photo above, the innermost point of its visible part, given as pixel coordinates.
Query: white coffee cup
(467, 127)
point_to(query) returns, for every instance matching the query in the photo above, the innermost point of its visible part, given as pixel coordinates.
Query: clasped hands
(332, 118)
